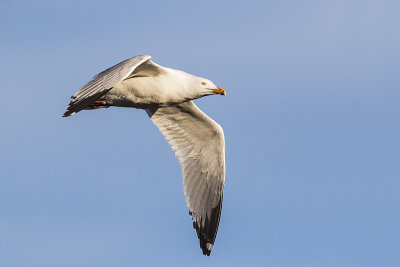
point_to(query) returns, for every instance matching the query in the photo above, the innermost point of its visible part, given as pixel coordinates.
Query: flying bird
(198, 141)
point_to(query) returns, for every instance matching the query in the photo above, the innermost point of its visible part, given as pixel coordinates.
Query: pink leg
(99, 104)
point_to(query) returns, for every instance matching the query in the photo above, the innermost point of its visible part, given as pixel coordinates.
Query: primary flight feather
(198, 142)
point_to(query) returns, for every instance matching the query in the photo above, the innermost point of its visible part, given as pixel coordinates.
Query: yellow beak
(219, 91)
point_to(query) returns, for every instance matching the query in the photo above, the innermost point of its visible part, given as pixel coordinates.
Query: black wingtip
(205, 245)
(208, 232)
(67, 113)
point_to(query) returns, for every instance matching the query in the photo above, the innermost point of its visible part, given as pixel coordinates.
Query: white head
(205, 86)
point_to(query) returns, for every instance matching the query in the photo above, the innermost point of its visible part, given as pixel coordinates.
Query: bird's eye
(203, 83)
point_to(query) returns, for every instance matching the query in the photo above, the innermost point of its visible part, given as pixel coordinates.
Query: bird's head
(207, 87)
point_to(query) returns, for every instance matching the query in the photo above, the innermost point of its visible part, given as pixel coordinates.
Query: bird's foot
(99, 104)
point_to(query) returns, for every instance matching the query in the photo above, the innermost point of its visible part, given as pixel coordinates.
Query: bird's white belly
(142, 92)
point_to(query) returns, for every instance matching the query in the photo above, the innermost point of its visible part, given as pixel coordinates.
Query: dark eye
(203, 83)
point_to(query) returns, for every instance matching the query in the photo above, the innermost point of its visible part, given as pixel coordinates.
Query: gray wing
(199, 145)
(101, 83)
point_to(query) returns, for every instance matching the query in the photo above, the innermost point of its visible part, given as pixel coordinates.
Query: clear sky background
(311, 121)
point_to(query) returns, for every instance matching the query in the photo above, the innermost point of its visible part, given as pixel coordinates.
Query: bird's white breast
(139, 92)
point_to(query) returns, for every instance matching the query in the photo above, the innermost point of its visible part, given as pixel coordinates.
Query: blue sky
(310, 119)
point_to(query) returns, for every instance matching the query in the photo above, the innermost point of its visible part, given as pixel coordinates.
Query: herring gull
(198, 142)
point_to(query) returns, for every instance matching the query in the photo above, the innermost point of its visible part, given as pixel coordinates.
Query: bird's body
(152, 89)
(198, 141)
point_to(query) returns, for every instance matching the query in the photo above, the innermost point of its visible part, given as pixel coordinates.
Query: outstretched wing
(199, 145)
(101, 83)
